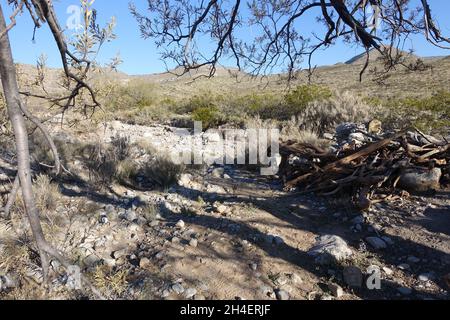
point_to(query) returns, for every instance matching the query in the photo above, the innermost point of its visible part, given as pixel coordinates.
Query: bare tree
(76, 65)
(273, 30)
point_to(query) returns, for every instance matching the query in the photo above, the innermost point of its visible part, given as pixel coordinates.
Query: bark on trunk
(11, 93)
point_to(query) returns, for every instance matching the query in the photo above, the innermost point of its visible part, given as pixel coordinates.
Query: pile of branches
(370, 173)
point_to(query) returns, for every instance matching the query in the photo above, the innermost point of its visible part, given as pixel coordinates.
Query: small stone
(404, 291)
(144, 263)
(218, 172)
(119, 253)
(109, 208)
(190, 293)
(388, 240)
(159, 255)
(165, 293)
(376, 243)
(277, 240)
(353, 277)
(177, 288)
(404, 266)
(154, 224)
(110, 262)
(413, 260)
(180, 224)
(254, 266)
(193, 243)
(281, 281)
(336, 290)
(131, 215)
(295, 278)
(92, 260)
(388, 271)
(175, 240)
(7, 282)
(282, 295)
(103, 219)
(221, 209)
(358, 220)
(329, 249)
(425, 277)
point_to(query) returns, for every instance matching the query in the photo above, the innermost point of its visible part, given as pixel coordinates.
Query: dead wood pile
(380, 168)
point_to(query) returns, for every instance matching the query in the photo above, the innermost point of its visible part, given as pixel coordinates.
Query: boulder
(329, 249)
(376, 243)
(416, 180)
(353, 277)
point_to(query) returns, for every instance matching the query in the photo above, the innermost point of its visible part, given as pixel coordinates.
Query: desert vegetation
(94, 205)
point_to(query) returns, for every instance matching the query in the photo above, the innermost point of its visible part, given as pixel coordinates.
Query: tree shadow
(310, 220)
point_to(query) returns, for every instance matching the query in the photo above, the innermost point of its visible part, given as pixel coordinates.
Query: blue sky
(141, 56)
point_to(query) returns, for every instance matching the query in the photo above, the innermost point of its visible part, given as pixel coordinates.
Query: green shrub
(264, 106)
(430, 114)
(209, 116)
(134, 94)
(205, 100)
(297, 100)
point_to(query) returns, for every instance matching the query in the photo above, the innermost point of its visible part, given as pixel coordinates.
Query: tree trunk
(12, 98)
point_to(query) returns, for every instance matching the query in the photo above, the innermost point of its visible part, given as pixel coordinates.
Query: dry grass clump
(46, 193)
(163, 172)
(323, 116)
(112, 284)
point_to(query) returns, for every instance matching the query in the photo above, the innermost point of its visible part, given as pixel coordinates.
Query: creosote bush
(430, 114)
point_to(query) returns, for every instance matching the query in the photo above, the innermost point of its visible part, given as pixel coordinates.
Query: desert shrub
(292, 130)
(127, 172)
(46, 193)
(430, 114)
(100, 161)
(134, 94)
(262, 105)
(104, 161)
(298, 100)
(208, 116)
(121, 147)
(323, 116)
(203, 100)
(162, 172)
(110, 283)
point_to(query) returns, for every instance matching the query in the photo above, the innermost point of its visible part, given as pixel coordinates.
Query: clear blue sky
(141, 56)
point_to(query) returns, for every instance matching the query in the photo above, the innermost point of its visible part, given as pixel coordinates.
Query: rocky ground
(228, 233)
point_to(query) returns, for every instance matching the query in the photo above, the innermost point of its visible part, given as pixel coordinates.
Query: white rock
(193, 243)
(180, 224)
(190, 293)
(178, 288)
(330, 248)
(388, 271)
(282, 295)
